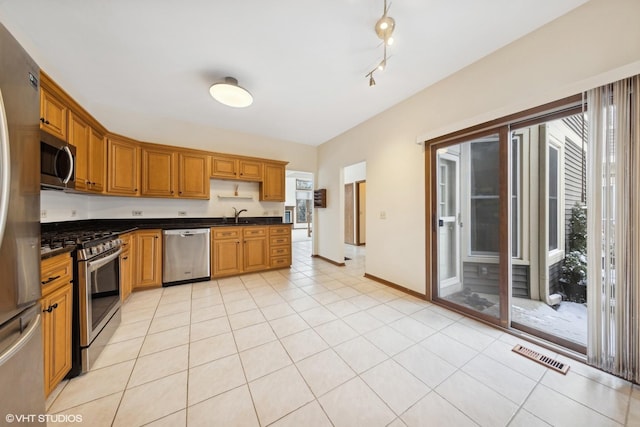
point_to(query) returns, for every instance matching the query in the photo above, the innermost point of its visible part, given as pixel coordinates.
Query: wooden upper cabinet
(53, 114)
(250, 170)
(272, 187)
(97, 161)
(78, 136)
(224, 167)
(123, 167)
(90, 154)
(158, 172)
(235, 167)
(193, 175)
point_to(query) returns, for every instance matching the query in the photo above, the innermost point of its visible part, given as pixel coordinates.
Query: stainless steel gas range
(96, 313)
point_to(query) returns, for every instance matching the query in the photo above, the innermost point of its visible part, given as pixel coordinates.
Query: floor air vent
(542, 359)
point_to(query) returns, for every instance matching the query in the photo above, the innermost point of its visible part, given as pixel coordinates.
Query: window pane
(553, 198)
(485, 167)
(484, 198)
(485, 235)
(515, 192)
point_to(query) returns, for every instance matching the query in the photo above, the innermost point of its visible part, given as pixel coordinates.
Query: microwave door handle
(5, 169)
(71, 165)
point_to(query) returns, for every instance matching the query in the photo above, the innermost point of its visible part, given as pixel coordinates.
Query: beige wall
(592, 45)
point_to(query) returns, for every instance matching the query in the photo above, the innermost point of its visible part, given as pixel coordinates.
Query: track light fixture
(384, 30)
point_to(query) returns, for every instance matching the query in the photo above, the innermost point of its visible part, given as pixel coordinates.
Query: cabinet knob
(55, 305)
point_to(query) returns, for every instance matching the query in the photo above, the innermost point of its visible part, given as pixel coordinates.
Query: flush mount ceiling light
(230, 93)
(384, 30)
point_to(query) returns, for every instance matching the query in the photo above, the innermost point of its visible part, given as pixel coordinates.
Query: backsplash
(58, 206)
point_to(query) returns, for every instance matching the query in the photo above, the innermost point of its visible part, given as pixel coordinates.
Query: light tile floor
(320, 345)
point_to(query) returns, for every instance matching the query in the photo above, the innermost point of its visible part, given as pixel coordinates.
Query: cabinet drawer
(280, 231)
(254, 231)
(280, 240)
(226, 233)
(280, 251)
(280, 261)
(55, 271)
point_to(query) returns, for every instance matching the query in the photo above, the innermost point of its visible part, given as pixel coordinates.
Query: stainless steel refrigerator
(21, 358)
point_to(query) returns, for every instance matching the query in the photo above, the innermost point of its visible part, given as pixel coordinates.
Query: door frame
(504, 254)
(457, 215)
(359, 224)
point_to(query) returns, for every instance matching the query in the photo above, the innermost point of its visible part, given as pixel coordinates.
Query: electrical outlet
(43, 213)
(136, 213)
(383, 215)
(182, 213)
(73, 212)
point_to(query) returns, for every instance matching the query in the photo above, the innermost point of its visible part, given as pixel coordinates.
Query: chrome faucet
(237, 213)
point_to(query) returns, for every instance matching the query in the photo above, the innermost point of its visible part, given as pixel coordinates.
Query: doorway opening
(298, 207)
(355, 210)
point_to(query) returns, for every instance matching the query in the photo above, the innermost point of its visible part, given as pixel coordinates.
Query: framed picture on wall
(304, 184)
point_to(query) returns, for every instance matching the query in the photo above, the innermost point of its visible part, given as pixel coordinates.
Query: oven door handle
(94, 265)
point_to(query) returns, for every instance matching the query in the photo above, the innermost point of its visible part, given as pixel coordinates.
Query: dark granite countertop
(58, 251)
(121, 226)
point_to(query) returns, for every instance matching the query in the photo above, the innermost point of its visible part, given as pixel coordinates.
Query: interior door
(349, 210)
(361, 198)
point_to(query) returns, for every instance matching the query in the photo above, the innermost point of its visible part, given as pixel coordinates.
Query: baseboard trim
(330, 261)
(396, 286)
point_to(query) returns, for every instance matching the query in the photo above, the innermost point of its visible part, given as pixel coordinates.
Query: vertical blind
(613, 228)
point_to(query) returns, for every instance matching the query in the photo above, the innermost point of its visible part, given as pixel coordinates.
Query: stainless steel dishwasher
(186, 256)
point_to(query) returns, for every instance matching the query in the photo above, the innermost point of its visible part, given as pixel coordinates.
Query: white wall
(592, 45)
(59, 206)
(357, 172)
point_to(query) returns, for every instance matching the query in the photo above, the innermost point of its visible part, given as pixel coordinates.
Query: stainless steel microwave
(57, 163)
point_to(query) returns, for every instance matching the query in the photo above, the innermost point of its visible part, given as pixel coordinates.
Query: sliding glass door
(509, 226)
(470, 235)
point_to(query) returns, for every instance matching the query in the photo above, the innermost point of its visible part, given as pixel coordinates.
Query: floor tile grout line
(124, 391)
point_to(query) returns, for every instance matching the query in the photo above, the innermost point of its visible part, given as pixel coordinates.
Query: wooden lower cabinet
(236, 249)
(126, 266)
(57, 307)
(226, 257)
(255, 252)
(148, 259)
(280, 246)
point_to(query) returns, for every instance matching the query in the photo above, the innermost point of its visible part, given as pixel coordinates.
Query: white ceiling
(304, 61)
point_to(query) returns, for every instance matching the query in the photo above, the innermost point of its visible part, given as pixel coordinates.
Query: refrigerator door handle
(25, 337)
(5, 169)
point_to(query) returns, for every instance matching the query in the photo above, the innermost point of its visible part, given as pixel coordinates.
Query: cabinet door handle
(55, 305)
(48, 310)
(125, 258)
(51, 279)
